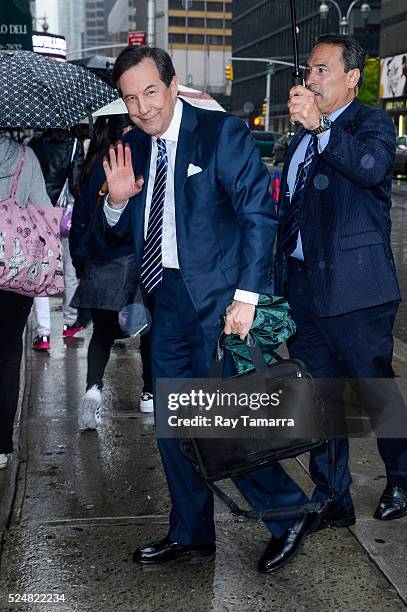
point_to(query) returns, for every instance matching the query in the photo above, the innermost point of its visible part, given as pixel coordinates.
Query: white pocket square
(193, 170)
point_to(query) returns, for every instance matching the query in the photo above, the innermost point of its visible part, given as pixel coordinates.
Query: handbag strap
(66, 182)
(17, 173)
(102, 192)
(254, 351)
(75, 142)
(277, 514)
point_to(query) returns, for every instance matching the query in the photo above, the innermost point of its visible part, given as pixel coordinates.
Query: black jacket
(54, 157)
(345, 219)
(87, 242)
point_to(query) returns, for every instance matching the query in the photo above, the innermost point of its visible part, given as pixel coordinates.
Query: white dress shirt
(169, 235)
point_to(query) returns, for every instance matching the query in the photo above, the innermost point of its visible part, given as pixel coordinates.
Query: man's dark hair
(132, 56)
(353, 54)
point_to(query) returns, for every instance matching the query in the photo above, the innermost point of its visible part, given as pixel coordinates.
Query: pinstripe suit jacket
(345, 218)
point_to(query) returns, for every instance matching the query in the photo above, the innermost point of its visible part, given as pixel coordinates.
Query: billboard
(15, 25)
(393, 76)
(51, 45)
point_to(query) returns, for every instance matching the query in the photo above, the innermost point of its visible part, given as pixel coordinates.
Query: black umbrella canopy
(101, 65)
(96, 62)
(40, 93)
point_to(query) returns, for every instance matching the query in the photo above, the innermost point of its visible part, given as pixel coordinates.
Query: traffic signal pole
(269, 73)
(268, 91)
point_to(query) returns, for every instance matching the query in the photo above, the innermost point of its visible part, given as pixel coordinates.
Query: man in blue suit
(334, 260)
(192, 186)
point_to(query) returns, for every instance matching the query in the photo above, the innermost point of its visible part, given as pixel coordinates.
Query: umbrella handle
(297, 74)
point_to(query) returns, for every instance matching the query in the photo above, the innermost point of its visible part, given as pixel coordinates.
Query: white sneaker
(3, 461)
(146, 402)
(89, 415)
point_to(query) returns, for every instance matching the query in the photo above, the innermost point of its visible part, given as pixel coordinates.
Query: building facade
(263, 30)
(198, 36)
(94, 23)
(71, 23)
(126, 16)
(393, 62)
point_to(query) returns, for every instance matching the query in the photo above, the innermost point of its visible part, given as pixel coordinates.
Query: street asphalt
(74, 507)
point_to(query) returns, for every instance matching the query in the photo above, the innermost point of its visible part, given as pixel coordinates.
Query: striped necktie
(152, 265)
(291, 226)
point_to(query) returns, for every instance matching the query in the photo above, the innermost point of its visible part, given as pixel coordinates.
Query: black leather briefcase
(219, 458)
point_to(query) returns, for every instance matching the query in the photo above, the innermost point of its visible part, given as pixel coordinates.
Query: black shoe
(392, 504)
(281, 550)
(166, 550)
(337, 515)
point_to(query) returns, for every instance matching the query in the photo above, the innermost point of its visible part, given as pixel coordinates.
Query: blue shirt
(298, 158)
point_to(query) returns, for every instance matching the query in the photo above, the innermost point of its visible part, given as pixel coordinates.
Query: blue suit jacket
(225, 219)
(345, 223)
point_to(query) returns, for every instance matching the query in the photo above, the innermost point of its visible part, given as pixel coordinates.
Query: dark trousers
(357, 345)
(179, 350)
(106, 330)
(14, 311)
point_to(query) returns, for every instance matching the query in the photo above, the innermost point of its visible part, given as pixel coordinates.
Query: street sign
(136, 38)
(16, 25)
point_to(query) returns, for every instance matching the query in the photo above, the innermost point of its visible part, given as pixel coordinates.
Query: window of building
(178, 21)
(199, 5)
(176, 38)
(214, 23)
(196, 39)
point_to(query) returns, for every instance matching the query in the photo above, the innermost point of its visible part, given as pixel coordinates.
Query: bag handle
(17, 173)
(254, 350)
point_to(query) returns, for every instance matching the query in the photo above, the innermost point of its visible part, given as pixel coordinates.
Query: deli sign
(16, 25)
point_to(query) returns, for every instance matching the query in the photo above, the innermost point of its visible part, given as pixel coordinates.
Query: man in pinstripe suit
(334, 259)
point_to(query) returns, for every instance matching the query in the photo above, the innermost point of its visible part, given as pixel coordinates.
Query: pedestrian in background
(107, 273)
(61, 158)
(14, 308)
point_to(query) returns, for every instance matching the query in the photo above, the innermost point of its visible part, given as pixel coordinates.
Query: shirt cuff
(323, 141)
(112, 214)
(248, 297)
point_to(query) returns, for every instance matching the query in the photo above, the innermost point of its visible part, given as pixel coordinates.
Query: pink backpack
(30, 246)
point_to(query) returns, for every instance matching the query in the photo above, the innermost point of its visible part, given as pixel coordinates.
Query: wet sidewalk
(83, 502)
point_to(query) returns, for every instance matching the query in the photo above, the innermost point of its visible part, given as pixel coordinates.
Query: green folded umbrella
(271, 327)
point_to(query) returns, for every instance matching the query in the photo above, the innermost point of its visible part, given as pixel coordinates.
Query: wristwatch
(326, 124)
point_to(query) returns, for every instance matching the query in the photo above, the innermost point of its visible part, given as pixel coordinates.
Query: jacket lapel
(344, 120)
(186, 153)
(284, 197)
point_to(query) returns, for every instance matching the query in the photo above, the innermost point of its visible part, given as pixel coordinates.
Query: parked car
(265, 141)
(400, 163)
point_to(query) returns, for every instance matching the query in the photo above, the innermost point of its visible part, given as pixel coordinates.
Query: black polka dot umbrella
(36, 92)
